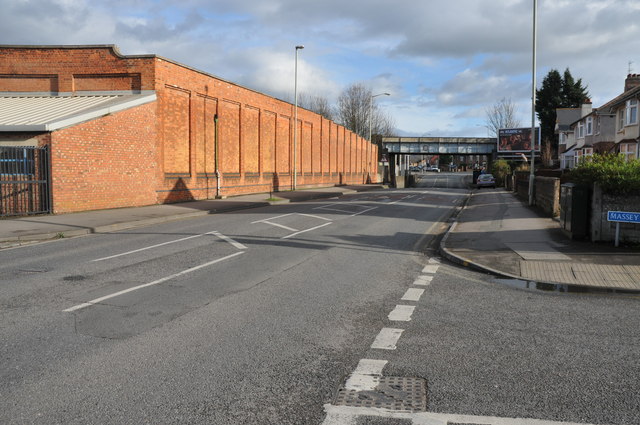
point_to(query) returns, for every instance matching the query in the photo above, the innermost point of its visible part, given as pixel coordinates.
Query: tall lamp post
(533, 105)
(295, 121)
(371, 119)
(371, 109)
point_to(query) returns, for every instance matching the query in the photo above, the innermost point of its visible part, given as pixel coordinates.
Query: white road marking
(400, 200)
(228, 239)
(423, 280)
(155, 282)
(291, 229)
(304, 231)
(412, 294)
(366, 377)
(347, 415)
(402, 313)
(332, 209)
(271, 218)
(362, 212)
(153, 246)
(430, 268)
(316, 216)
(434, 261)
(387, 338)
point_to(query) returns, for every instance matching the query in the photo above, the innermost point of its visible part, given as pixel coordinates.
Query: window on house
(587, 152)
(580, 130)
(628, 150)
(589, 126)
(578, 155)
(598, 123)
(620, 119)
(632, 111)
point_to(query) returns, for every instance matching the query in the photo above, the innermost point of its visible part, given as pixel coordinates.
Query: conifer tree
(557, 91)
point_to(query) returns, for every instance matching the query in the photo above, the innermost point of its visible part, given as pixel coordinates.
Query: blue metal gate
(24, 181)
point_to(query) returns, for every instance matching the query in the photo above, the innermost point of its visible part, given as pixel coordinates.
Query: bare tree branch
(502, 114)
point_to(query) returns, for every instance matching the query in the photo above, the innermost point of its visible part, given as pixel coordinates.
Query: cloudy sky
(443, 61)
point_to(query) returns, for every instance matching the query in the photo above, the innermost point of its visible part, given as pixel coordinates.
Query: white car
(432, 168)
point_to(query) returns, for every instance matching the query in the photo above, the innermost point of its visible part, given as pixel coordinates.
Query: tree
(501, 114)
(316, 103)
(557, 91)
(356, 106)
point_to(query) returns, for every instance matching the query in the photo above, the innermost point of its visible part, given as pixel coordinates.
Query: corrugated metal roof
(48, 113)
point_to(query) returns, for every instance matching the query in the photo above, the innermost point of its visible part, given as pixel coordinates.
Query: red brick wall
(254, 132)
(109, 162)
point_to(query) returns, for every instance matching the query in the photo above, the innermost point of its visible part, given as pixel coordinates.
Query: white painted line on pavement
(430, 268)
(155, 282)
(412, 294)
(423, 280)
(271, 218)
(387, 338)
(316, 216)
(228, 239)
(434, 261)
(291, 229)
(366, 377)
(152, 246)
(402, 313)
(348, 415)
(362, 212)
(304, 231)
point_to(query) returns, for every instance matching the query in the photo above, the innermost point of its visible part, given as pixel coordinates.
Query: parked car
(432, 168)
(486, 180)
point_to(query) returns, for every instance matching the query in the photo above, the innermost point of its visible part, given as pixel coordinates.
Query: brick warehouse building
(139, 130)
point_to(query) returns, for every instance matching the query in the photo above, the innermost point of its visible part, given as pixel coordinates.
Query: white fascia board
(100, 112)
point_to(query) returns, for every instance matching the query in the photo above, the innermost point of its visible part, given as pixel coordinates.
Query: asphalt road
(259, 316)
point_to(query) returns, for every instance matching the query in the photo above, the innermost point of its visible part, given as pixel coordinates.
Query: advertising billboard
(517, 139)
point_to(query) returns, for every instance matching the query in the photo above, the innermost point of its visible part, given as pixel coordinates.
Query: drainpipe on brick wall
(215, 147)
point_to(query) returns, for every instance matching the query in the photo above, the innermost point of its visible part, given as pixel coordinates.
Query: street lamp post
(371, 118)
(295, 121)
(371, 109)
(533, 105)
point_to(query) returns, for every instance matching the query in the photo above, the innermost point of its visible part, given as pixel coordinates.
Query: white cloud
(443, 61)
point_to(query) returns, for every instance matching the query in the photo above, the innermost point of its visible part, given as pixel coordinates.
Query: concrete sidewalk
(24, 230)
(497, 233)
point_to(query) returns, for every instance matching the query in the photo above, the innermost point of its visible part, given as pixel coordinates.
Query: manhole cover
(393, 393)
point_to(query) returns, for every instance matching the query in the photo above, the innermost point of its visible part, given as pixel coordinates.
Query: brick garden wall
(169, 148)
(547, 195)
(603, 230)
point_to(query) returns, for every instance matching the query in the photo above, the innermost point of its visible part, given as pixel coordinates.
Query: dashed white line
(366, 377)
(402, 313)
(412, 294)
(387, 339)
(430, 268)
(423, 280)
(155, 282)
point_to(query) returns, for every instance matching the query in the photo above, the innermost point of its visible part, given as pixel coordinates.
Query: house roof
(619, 99)
(565, 117)
(32, 112)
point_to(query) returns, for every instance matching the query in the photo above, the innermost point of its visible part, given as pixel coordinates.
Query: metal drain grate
(392, 392)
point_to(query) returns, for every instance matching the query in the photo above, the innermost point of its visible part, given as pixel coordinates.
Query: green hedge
(613, 173)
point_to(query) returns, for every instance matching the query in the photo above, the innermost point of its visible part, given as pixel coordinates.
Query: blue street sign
(623, 217)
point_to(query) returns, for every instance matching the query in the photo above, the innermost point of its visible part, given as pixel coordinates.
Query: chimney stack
(633, 80)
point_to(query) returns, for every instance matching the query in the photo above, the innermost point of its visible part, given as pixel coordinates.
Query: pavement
(493, 232)
(496, 232)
